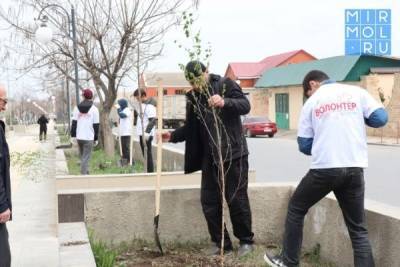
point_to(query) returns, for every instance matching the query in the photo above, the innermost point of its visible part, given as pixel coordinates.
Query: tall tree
(108, 32)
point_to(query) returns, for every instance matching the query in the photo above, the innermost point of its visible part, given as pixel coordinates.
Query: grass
(64, 136)
(314, 257)
(25, 159)
(104, 256)
(29, 164)
(141, 253)
(100, 163)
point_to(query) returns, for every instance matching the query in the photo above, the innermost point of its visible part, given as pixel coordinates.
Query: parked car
(253, 126)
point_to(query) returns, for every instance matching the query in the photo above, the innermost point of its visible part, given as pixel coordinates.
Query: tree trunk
(106, 133)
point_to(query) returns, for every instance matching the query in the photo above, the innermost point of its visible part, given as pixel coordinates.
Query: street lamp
(44, 35)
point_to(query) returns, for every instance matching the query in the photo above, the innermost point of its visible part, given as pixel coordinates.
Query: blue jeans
(348, 187)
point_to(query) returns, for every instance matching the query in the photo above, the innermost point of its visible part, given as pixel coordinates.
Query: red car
(253, 126)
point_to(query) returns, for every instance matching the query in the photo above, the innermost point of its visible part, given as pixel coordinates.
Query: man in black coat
(5, 187)
(213, 134)
(42, 121)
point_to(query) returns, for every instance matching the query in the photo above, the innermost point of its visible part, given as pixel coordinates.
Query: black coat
(197, 129)
(42, 121)
(5, 184)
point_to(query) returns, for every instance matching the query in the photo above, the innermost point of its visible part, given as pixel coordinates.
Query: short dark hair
(194, 69)
(314, 75)
(142, 93)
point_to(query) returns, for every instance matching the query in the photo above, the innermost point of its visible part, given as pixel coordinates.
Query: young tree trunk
(105, 133)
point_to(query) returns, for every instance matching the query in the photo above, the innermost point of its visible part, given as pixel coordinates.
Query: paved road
(278, 160)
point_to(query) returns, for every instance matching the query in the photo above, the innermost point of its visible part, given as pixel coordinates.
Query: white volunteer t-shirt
(149, 111)
(85, 121)
(125, 124)
(334, 117)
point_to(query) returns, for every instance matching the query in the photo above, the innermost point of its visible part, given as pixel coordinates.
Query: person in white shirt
(149, 115)
(332, 130)
(125, 129)
(85, 128)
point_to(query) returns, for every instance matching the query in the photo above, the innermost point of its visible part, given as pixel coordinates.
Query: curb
(383, 144)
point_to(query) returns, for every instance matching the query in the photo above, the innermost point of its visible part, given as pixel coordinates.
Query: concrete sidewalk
(33, 231)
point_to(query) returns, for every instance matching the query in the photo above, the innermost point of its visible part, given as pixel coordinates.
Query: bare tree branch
(108, 33)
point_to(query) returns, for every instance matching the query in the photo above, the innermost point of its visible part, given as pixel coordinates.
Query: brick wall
(392, 129)
(259, 101)
(152, 91)
(244, 83)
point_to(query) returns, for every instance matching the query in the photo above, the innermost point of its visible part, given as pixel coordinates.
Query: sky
(248, 31)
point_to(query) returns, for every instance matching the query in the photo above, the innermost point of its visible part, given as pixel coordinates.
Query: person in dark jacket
(42, 121)
(85, 128)
(5, 188)
(213, 134)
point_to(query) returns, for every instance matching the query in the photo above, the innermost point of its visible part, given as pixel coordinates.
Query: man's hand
(5, 216)
(165, 137)
(216, 101)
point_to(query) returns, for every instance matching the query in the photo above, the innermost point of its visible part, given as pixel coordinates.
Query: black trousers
(42, 133)
(348, 187)
(126, 145)
(150, 163)
(236, 183)
(5, 254)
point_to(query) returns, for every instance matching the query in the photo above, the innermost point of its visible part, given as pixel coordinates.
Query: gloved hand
(95, 143)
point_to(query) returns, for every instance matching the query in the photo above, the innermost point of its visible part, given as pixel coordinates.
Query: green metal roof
(340, 68)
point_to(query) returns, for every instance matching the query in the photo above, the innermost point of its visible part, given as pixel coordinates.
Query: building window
(180, 92)
(165, 92)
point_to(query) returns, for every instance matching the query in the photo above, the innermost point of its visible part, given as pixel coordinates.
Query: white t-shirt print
(334, 117)
(125, 124)
(149, 111)
(85, 121)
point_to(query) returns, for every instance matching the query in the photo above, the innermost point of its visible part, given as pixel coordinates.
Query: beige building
(284, 91)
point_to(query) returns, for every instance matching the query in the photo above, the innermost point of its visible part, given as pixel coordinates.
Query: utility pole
(8, 95)
(68, 103)
(141, 108)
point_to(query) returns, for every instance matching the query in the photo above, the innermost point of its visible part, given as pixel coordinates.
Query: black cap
(194, 69)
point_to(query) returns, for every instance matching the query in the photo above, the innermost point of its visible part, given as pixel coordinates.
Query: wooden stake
(159, 164)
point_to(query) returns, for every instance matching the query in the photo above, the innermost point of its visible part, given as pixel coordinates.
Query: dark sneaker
(215, 251)
(227, 252)
(274, 260)
(244, 250)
